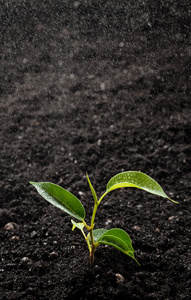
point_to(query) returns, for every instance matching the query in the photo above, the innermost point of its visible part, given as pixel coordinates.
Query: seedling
(115, 237)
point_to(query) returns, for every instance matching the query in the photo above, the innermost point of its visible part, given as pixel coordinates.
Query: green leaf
(119, 239)
(121, 234)
(137, 180)
(92, 189)
(77, 225)
(61, 198)
(97, 233)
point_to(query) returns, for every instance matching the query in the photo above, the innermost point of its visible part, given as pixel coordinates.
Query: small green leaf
(92, 189)
(77, 225)
(119, 239)
(97, 233)
(137, 180)
(61, 198)
(119, 233)
(122, 235)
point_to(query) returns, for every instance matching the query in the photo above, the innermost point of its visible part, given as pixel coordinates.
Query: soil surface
(99, 87)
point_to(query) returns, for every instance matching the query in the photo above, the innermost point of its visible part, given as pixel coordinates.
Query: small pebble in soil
(102, 86)
(99, 142)
(106, 204)
(119, 278)
(33, 233)
(137, 228)
(90, 76)
(25, 259)
(53, 255)
(10, 226)
(107, 222)
(139, 206)
(121, 44)
(15, 238)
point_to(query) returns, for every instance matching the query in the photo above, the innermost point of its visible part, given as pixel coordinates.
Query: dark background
(99, 87)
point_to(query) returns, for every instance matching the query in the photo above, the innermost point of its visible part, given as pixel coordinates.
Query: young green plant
(70, 204)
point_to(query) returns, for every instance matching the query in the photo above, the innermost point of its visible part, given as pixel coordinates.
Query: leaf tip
(137, 262)
(173, 201)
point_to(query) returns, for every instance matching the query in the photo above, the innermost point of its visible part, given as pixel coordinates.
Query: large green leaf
(137, 180)
(60, 198)
(119, 239)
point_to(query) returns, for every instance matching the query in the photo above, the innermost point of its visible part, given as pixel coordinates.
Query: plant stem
(91, 235)
(87, 240)
(92, 249)
(96, 204)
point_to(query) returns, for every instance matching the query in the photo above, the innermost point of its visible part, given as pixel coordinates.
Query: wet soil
(99, 87)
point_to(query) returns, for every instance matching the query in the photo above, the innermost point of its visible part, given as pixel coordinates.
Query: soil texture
(100, 87)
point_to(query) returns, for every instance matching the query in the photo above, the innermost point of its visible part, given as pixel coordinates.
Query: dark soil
(98, 87)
